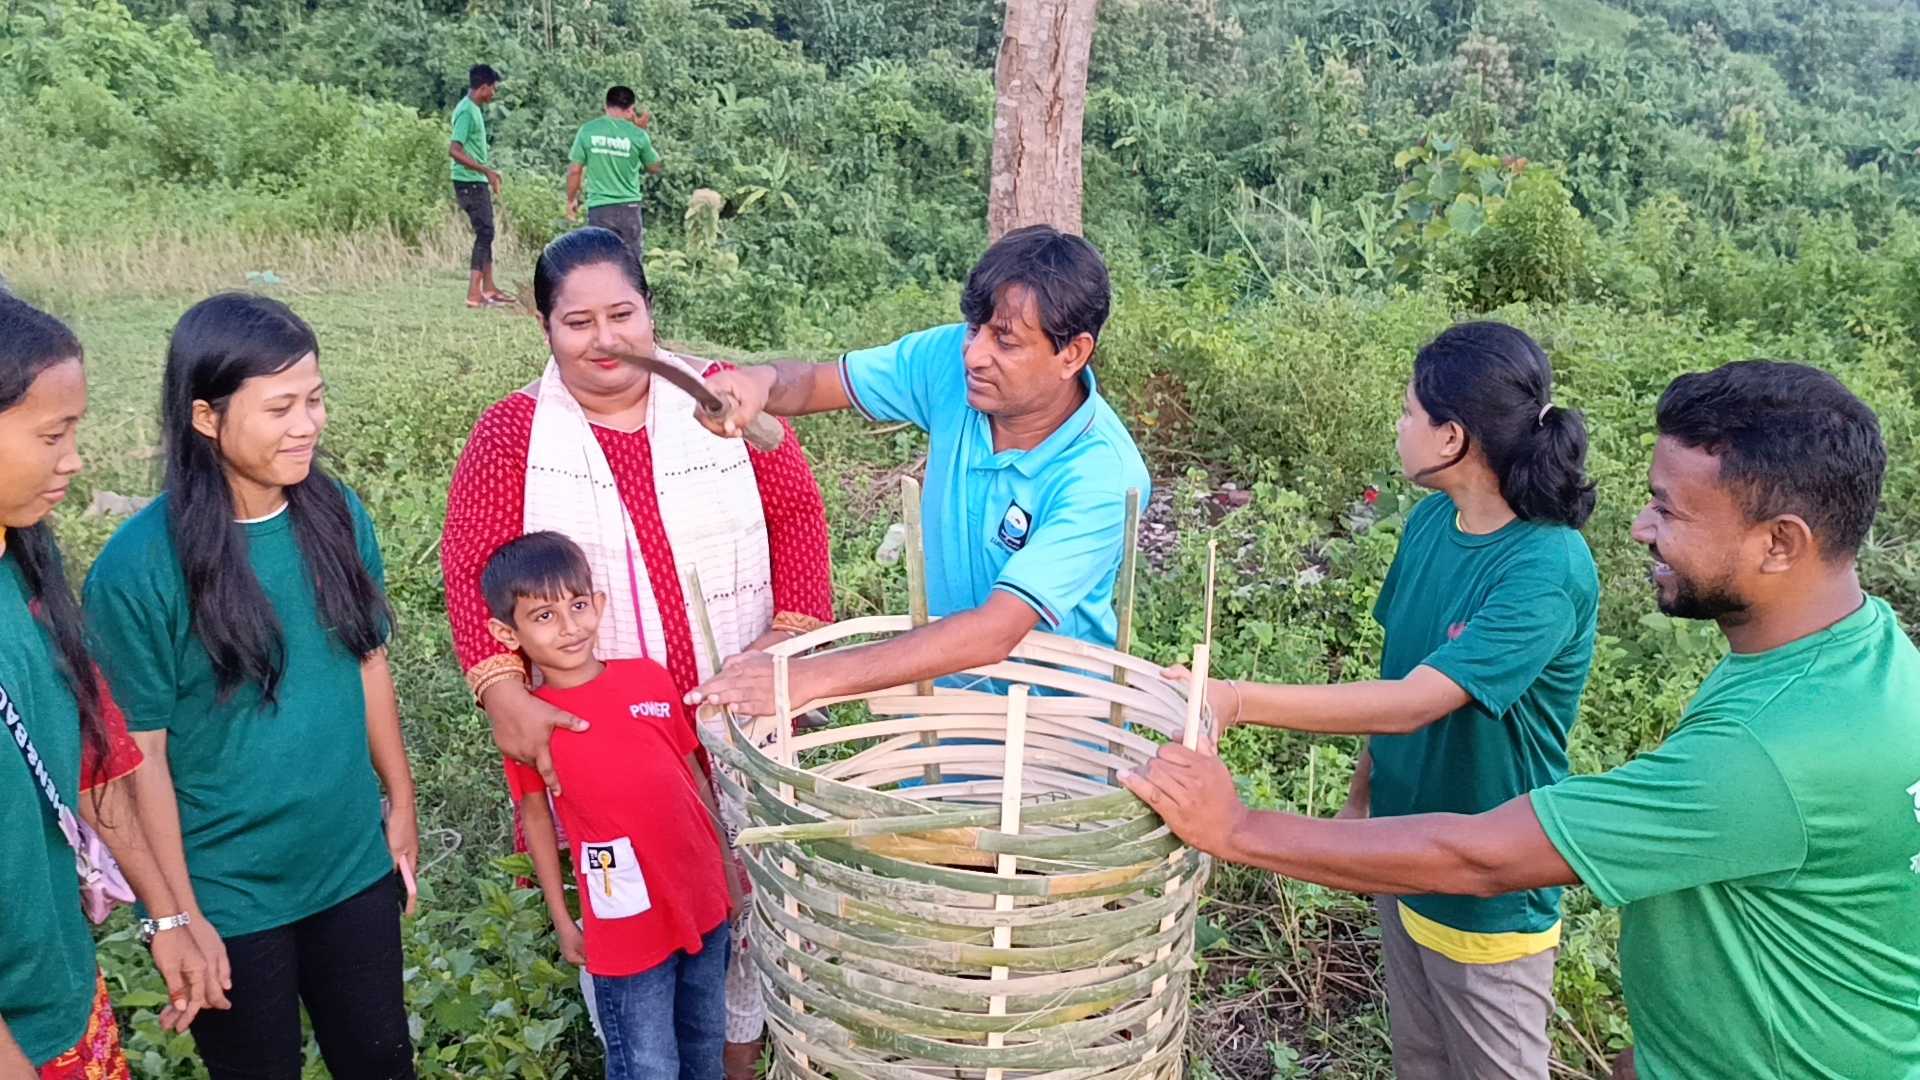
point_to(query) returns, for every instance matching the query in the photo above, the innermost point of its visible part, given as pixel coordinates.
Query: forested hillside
(1293, 197)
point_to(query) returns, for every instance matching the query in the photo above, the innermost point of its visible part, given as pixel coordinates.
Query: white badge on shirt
(611, 878)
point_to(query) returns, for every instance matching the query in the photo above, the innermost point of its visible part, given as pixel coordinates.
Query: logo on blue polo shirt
(1014, 528)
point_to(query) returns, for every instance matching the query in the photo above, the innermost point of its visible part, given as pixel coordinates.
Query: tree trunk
(1041, 96)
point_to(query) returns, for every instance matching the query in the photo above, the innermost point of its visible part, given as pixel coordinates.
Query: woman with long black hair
(66, 750)
(242, 622)
(1489, 613)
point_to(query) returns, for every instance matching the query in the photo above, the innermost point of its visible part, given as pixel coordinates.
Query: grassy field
(1262, 426)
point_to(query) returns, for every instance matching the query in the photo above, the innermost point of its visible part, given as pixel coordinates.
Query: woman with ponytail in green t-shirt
(1489, 612)
(242, 622)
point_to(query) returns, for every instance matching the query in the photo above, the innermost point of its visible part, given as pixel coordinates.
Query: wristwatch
(150, 927)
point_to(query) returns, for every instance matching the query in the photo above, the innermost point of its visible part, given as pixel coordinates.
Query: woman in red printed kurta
(486, 507)
(612, 456)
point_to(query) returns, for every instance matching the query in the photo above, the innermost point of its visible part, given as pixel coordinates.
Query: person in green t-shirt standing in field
(1766, 855)
(1489, 613)
(242, 623)
(476, 182)
(608, 154)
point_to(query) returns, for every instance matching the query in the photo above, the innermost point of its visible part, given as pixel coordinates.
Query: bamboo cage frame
(957, 888)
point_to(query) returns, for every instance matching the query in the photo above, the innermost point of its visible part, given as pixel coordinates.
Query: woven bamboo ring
(957, 887)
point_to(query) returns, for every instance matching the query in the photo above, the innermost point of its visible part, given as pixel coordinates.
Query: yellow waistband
(1467, 947)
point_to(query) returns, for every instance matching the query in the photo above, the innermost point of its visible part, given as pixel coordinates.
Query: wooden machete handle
(763, 433)
(766, 433)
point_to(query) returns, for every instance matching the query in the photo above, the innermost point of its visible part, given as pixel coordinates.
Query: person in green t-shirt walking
(242, 622)
(1766, 855)
(1489, 612)
(476, 182)
(608, 154)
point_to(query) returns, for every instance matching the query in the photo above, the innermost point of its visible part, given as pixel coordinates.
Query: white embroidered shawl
(709, 504)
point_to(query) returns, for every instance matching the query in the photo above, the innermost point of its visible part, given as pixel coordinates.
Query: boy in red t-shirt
(654, 880)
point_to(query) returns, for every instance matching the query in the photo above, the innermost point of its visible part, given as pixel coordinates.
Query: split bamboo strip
(1020, 919)
(783, 731)
(1007, 865)
(917, 606)
(1126, 589)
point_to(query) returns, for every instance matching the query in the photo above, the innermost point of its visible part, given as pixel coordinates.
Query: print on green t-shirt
(1509, 617)
(279, 804)
(1764, 857)
(612, 151)
(46, 948)
(470, 131)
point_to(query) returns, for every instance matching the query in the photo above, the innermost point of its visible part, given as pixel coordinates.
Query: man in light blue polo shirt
(1027, 475)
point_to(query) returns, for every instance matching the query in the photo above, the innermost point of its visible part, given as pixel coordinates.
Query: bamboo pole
(1190, 738)
(917, 607)
(702, 622)
(1014, 785)
(783, 734)
(1125, 593)
(1202, 660)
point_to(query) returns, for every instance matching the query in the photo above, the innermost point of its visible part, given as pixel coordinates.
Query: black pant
(344, 963)
(477, 200)
(626, 220)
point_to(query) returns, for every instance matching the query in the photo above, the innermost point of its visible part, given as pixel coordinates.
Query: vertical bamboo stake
(783, 736)
(917, 607)
(1013, 785)
(702, 622)
(1125, 591)
(1190, 738)
(1202, 658)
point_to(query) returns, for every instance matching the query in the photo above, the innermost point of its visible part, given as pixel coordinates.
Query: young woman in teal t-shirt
(55, 1020)
(1489, 612)
(242, 622)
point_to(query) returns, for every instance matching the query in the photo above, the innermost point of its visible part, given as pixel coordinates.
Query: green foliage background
(1293, 196)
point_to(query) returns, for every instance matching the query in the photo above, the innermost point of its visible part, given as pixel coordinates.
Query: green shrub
(1532, 248)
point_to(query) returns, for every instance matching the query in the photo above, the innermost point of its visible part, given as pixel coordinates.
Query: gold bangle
(492, 670)
(796, 623)
(1237, 703)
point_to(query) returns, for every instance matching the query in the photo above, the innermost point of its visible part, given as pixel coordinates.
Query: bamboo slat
(928, 908)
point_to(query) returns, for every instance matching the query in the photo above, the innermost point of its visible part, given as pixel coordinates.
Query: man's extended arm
(974, 638)
(1500, 851)
(783, 388)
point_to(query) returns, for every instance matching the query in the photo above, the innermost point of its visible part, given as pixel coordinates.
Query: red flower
(1371, 495)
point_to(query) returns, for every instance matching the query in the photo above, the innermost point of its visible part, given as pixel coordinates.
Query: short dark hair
(1065, 274)
(542, 565)
(620, 97)
(1791, 439)
(480, 75)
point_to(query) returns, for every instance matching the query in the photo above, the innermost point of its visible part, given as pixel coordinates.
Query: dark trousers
(477, 201)
(344, 964)
(626, 220)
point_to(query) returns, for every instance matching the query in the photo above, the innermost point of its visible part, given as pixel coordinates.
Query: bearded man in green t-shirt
(609, 152)
(1766, 855)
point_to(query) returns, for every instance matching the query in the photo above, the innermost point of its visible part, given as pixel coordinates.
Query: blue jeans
(670, 1021)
